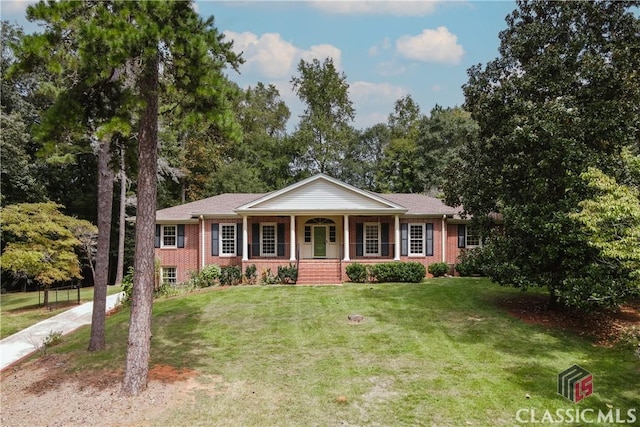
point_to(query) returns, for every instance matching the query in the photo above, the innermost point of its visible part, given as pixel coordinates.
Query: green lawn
(436, 353)
(22, 309)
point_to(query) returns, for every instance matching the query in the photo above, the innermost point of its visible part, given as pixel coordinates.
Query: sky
(386, 50)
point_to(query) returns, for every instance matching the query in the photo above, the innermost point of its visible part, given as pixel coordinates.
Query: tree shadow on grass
(179, 337)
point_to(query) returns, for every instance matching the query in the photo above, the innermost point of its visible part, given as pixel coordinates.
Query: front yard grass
(437, 353)
(19, 310)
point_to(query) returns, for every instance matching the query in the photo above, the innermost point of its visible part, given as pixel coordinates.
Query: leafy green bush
(230, 275)
(358, 273)
(470, 262)
(412, 272)
(438, 269)
(127, 286)
(383, 272)
(166, 290)
(251, 274)
(54, 338)
(287, 275)
(268, 278)
(207, 277)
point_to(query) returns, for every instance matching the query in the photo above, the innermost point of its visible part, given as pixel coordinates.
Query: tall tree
(122, 214)
(87, 113)
(364, 157)
(398, 170)
(18, 173)
(147, 37)
(18, 111)
(441, 136)
(563, 96)
(263, 116)
(325, 124)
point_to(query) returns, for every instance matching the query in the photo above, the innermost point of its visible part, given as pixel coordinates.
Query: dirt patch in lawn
(43, 392)
(605, 327)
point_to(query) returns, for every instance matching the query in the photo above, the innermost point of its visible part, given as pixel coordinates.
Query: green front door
(319, 241)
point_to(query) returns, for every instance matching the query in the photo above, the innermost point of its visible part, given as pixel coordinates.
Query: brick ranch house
(320, 224)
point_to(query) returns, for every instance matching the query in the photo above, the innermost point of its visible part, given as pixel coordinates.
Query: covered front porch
(307, 237)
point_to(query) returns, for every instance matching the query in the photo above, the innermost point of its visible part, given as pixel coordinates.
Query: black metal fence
(50, 297)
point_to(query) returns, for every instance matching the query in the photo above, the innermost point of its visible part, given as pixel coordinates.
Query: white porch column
(396, 229)
(245, 239)
(201, 242)
(346, 238)
(292, 238)
(444, 238)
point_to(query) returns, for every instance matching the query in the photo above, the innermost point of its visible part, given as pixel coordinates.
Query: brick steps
(319, 272)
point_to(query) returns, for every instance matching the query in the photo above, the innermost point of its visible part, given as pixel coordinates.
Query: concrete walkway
(27, 341)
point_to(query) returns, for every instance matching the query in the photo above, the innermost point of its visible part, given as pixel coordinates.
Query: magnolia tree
(562, 100)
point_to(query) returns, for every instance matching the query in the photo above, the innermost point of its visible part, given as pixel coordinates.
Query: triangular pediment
(321, 193)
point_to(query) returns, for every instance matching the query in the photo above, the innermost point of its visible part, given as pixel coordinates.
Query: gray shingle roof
(220, 205)
(224, 205)
(419, 204)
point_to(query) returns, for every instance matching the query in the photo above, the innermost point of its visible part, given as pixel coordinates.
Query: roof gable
(321, 193)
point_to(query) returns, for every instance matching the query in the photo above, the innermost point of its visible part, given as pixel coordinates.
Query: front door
(319, 241)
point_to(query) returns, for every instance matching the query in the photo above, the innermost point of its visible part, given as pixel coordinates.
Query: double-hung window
(169, 275)
(473, 237)
(468, 236)
(228, 239)
(269, 239)
(371, 239)
(416, 239)
(169, 236)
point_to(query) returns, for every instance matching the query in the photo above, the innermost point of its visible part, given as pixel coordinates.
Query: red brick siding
(219, 260)
(184, 259)
(188, 259)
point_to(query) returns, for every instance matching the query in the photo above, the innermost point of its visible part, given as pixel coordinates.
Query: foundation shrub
(230, 275)
(470, 262)
(287, 275)
(205, 278)
(411, 272)
(357, 272)
(438, 269)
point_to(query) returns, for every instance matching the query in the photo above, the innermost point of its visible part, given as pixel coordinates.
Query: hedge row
(412, 272)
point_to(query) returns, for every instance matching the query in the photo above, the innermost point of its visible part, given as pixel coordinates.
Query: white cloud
(321, 52)
(390, 68)
(373, 101)
(437, 45)
(377, 49)
(377, 7)
(268, 55)
(11, 7)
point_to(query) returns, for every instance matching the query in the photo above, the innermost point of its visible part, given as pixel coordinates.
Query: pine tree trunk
(121, 229)
(139, 342)
(105, 203)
